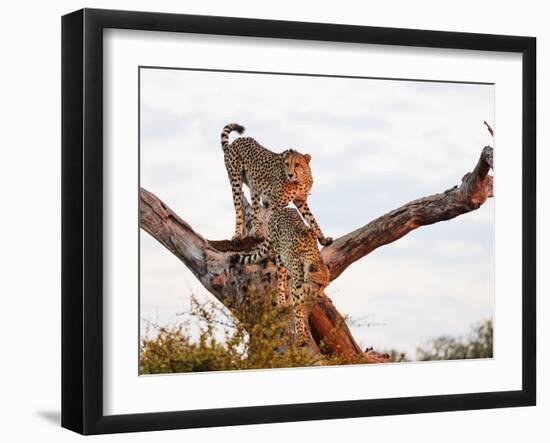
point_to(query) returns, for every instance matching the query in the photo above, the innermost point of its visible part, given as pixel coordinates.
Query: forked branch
(209, 260)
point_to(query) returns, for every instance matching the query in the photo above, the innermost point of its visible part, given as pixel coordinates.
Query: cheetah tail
(254, 256)
(228, 129)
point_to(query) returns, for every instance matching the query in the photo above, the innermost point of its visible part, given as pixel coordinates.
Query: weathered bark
(474, 190)
(232, 284)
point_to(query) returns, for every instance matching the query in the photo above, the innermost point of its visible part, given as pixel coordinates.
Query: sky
(375, 145)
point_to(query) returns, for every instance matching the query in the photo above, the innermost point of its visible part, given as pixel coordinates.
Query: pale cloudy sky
(375, 145)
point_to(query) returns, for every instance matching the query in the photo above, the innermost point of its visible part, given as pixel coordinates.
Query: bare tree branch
(489, 128)
(474, 190)
(174, 233)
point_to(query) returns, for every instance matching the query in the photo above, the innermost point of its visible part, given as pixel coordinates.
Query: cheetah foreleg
(301, 308)
(310, 219)
(282, 284)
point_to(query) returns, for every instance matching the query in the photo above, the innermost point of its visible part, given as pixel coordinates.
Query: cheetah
(296, 256)
(275, 178)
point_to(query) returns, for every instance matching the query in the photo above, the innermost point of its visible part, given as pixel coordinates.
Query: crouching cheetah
(297, 256)
(274, 178)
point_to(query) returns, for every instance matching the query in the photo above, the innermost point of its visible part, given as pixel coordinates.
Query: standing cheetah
(297, 257)
(274, 178)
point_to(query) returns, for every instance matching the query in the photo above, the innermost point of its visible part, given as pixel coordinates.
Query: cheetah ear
(307, 157)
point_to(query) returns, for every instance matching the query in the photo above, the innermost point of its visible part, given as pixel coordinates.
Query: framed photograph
(268, 221)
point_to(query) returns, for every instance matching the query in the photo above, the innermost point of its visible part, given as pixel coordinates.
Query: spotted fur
(274, 178)
(298, 259)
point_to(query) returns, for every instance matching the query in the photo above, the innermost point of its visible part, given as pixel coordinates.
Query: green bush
(222, 345)
(478, 344)
(260, 340)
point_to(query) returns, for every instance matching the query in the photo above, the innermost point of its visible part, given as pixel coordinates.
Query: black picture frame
(82, 220)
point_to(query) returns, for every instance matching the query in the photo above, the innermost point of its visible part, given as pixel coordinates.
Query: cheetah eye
(313, 268)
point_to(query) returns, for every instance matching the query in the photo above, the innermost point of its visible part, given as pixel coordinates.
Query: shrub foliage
(221, 342)
(478, 344)
(210, 338)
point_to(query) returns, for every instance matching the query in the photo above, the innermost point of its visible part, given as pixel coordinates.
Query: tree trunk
(231, 285)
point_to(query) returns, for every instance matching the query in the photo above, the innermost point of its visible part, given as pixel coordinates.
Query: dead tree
(209, 260)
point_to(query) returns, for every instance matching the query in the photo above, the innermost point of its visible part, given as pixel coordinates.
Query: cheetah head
(318, 275)
(297, 168)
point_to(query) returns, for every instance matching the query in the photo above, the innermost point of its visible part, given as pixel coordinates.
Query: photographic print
(297, 220)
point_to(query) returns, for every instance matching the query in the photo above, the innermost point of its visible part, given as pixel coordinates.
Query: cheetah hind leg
(284, 323)
(254, 215)
(282, 283)
(239, 212)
